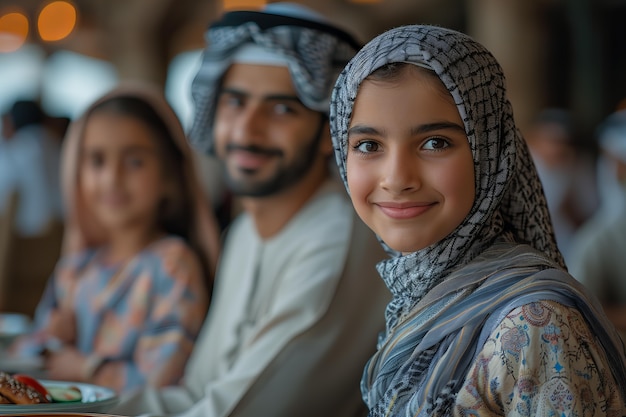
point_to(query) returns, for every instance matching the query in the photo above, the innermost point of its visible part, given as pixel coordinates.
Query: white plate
(96, 399)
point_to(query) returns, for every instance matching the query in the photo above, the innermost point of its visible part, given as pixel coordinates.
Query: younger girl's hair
(175, 215)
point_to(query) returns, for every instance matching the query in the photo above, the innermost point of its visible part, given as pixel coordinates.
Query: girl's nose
(400, 173)
(113, 174)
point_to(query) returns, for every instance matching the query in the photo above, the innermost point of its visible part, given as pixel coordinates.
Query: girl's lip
(404, 210)
(113, 200)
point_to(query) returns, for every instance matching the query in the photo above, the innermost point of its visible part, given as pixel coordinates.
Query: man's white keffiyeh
(315, 52)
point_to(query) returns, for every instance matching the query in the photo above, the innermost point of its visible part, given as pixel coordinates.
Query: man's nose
(249, 124)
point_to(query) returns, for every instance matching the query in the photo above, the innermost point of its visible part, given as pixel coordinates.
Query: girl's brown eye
(436, 144)
(95, 160)
(366, 146)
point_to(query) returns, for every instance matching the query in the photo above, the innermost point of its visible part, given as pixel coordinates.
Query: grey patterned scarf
(315, 51)
(509, 202)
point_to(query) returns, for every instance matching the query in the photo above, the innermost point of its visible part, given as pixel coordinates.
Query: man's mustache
(254, 149)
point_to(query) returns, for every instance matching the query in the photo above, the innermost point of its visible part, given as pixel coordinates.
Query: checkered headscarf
(315, 52)
(509, 202)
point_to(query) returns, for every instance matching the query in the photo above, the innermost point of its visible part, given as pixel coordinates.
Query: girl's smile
(400, 211)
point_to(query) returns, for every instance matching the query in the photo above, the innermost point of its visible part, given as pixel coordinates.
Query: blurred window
(180, 73)
(71, 82)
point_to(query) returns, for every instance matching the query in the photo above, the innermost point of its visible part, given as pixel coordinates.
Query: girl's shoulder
(172, 255)
(169, 244)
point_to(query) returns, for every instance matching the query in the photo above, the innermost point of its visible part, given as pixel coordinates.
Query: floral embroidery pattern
(540, 361)
(537, 314)
(513, 340)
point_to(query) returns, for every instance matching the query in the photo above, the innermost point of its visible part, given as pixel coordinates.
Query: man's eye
(436, 144)
(366, 146)
(235, 101)
(282, 108)
(134, 162)
(230, 100)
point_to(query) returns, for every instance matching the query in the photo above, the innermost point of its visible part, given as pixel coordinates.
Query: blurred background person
(31, 208)
(599, 249)
(566, 171)
(29, 167)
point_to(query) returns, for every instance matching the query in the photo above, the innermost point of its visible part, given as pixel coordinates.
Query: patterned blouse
(542, 360)
(141, 318)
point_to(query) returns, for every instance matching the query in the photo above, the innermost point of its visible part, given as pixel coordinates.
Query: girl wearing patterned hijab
(484, 319)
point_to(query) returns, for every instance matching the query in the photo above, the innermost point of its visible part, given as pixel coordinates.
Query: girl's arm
(543, 359)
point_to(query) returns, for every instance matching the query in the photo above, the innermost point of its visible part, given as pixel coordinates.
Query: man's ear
(621, 171)
(8, 128)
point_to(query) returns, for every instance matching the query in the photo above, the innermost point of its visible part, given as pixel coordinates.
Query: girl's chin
(405, 248)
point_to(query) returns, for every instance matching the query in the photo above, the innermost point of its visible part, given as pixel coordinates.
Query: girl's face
(121, 179)
(409, 165)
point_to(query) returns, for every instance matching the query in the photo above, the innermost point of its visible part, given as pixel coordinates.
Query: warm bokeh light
(13, 31)
(243, 4)
(56, 20)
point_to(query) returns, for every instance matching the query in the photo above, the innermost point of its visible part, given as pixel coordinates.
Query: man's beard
(284, 177)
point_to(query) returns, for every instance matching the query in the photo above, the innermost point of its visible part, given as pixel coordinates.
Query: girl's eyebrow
(430, 127)
(363, 130)
(139, 149)
(417, 130)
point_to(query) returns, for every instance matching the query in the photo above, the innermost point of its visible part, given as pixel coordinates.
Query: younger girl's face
(409, 165)
(120, 178)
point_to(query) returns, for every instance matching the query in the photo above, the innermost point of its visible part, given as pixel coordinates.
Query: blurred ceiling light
(13, 31)
(243, 4)
(56, 20)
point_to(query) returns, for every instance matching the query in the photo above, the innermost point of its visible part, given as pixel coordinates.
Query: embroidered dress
(486, 321)
(544, 357)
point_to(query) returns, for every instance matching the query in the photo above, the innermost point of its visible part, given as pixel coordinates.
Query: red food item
(17, 392)
(33, 383)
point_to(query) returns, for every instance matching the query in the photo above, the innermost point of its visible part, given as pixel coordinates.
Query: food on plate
(65, 394)
(17, 392)
(31, 382)
(26, 390)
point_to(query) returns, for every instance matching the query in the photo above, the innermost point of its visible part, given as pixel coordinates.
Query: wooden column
(514, 32)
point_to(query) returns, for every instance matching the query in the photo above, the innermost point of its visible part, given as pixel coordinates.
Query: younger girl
(130, 294)
(484, 319)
